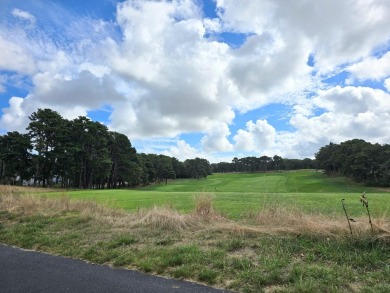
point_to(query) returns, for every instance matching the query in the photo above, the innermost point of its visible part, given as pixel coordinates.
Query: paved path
(30, 271)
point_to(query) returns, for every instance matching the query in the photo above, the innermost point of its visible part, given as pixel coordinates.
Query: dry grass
(282, 219)
(204, 210)
(23, 190)
(261, 253)
(161, 218)
(272, 220)
(28, 202)
(286, 219)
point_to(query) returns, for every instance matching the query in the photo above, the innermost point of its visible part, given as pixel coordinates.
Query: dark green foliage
(46, 131)
(124, 162)
(197, 168)
(15, 158)
(84, 154)
(263, 164)
(363, 161)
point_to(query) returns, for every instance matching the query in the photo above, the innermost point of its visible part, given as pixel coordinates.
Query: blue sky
(202, 78)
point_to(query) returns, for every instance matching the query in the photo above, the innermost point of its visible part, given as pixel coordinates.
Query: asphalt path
(31, 271)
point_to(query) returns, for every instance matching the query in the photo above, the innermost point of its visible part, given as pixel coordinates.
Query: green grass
(302, 181)
(240, 262)
(236, 195)
(227, 254)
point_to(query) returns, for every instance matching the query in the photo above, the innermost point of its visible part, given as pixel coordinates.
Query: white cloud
(371, 68)
(353, 100)
(212, 25)
(23, 15)
(387, 84)
(15, 57)
(176, 72)
(350, 112)
(85, 90)
(216, 139)
(14, 117)
(183, 151)
(257, 137)
(167, 74)
(339, 31)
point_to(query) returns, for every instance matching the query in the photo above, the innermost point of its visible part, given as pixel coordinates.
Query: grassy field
(237, 195)
(274, 232)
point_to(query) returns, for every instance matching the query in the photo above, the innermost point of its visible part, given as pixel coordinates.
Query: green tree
(124, 161)
(277, 163)
(164, 169)
(197, 168)
(45, 132)
(15, 157)
(92, 153)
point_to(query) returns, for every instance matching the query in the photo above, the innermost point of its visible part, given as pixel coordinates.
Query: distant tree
(197, 168)
(15, 158)
(328, 158)
(124, 161)
(45, 132)
(178, 168)
(164, 169)
(278, 163)
(90, 153)
(265, 163)
(356, 158)
(236, 164)
(147, 169)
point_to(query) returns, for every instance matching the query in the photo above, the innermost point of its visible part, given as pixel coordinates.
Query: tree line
(263, 164)
(81, 153)
(363, 161)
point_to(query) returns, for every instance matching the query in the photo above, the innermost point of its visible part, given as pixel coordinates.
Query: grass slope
(301, 181)
(237, 195)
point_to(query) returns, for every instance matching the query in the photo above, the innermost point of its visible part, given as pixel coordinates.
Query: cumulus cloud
(174, 69)
(183, 151)
(164, 70)
(353, 100)
(14, 117)
(371, 68)
(256, 137)
(335, 32)
(84, 90)
(350, 112)
(387, 84)
(347, 112)
(216, 139)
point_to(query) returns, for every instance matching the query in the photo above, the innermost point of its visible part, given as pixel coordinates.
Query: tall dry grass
(28, 201)
(161, 218)
(204, 209)
(273, 219)
(171, 219)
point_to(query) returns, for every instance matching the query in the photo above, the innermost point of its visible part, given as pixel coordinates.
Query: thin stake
(346, 214)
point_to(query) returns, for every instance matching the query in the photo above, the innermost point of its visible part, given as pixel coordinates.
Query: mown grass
(277, 249)
(300, 181)
(237, 195)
